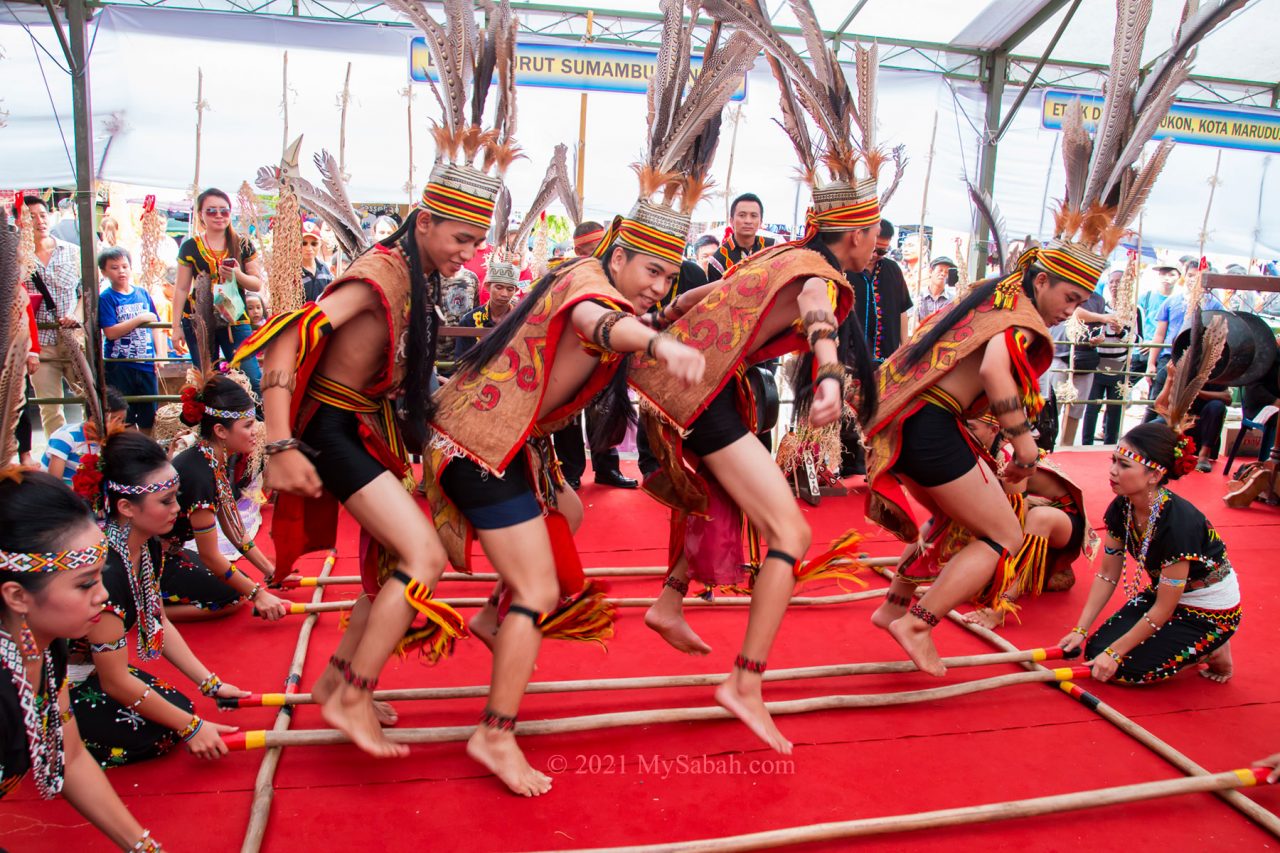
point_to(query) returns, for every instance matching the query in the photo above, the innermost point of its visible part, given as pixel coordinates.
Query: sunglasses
(310, 241)
(217, 211)
(880, 253)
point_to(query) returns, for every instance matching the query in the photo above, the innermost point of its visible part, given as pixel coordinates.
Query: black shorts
(719, 425)
(344, 464)
(934, 450)
(132, 382)
(1076, 542)
(490, 502)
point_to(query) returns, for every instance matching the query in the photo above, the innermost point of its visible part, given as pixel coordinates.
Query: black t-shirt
(1182, 533)
(731, 253)
(691, 277)
(887, 281)
(15, 760)
(197, 489)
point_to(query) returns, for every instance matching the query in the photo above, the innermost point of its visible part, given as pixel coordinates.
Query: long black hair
(981, 292)
(612, 409)
(129, 458)
(36, 517)
(420, 355)
(1157, 442)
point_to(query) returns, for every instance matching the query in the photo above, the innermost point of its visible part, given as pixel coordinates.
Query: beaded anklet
(745, 663)
(924, 615)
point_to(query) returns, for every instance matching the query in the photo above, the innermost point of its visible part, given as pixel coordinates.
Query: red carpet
(690, 781)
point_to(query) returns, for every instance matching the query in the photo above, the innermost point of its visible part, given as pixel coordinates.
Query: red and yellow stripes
(651, 241)
(312, 325)
(861, 214)
(1072, 266)
(456, 204)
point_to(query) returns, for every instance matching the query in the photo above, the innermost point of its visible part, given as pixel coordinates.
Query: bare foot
(500, 754)
(747, 704)
(484, 626)
(672, 627)
(917, 641)
(985, 617)
(1218, 665)
(330, 681)
(886, 614)
(351, 711)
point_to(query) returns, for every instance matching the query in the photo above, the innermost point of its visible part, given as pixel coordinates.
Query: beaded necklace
(228, 512)
(145, 589)
(1132, 580)
(874, 298)
(39, 717)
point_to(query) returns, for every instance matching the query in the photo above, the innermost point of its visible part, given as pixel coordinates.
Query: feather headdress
(466, 179)
(845, 147)
(1104, 189)
(555, 185)
(684, 128)
(329, 201)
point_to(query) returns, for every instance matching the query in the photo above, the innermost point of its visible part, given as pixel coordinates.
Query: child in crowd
(124, 312)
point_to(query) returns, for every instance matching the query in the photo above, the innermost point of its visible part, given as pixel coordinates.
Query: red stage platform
(666, 783)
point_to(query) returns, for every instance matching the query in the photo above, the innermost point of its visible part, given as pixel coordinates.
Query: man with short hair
(742, 238)
(502, 297)
(316, 274)
(939, 295)
(55, 284)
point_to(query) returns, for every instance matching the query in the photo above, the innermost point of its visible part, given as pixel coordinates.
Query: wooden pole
(298, 608)
(201, 106)
(342, 124)
(1259, 815)
(608, 572)
(581, 183)
(924, 207)
(284, 100)
(1097, 798)
(651, 682)
(263, 790)
(594, 722)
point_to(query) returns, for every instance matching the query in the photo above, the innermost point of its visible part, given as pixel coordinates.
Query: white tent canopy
(143, 80)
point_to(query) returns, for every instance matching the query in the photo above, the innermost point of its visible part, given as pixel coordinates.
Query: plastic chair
(1258, 423)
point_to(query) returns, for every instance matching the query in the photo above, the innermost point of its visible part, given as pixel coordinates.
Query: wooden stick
(606, 572)
(263, 789)
(1092, 799)
(342, 124)
(298, 608)
(317, 737)
(1259, 815)
(649, 682)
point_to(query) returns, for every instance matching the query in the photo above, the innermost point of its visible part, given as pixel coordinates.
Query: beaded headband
(61, 561)
(149, 488)
(1134, 456)
(230, 414)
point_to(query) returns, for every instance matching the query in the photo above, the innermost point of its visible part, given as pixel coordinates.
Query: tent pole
(78, 15)
(997, 70)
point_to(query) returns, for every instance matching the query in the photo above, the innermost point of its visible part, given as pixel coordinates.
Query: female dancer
(223, 255)
(1191, 608)
(51, 555)
(208, 493)
(124, 713)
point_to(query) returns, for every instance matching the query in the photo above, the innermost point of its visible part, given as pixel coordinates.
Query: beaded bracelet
(200, 531)
(1113, 654)
(1147, 619)
(230, 572)
(146, 844)
(145, 694)
(1081, 631)
(835, 371)
(253, 593)
(1100, 576)
(209, 687)
(1176, 583)
(191, 728)
(247, 547)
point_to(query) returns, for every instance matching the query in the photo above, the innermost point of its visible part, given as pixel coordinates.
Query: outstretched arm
(617, 331)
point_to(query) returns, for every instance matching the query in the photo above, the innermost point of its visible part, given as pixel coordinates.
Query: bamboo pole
(1218, 783)
(1266, 819)
(284, 100)
(924, 206)
(650, 682)
(201, 106)
(608, 572)
(342, 124)
(581, 183)
(593, 722)
(298, 608)
(263, 789)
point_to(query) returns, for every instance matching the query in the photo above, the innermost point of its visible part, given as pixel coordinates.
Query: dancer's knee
(539, 594)
(790, 534)
(426, 564)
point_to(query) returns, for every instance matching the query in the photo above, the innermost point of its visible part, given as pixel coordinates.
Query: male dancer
(332, 370)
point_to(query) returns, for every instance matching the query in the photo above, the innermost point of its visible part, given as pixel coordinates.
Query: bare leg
(391, 516)
(191, 613)
(484, 625)
(748, 474)
(666, 616)
(977, 502)
(331, 679)
(521, 554)
(1219, 667)
(1055, 526)
(900, 594)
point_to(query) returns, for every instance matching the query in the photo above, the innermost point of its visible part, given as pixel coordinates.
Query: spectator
(742, 238)
(384, 227)
(703, 248)
(315, 272)
(23, 429)
(254, 309)
(1092, 310)
(123, 312)
(586, 237)
(913, 260)
(109, 231)
(225, 257)
(1111, 369)
(1167, 279)
(55, 288)
(73, 441)
(329, 252)
(1170, 319)
(939, 295)
(1210, 410)
(459, 299)
(68, 227)
(502, 297)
